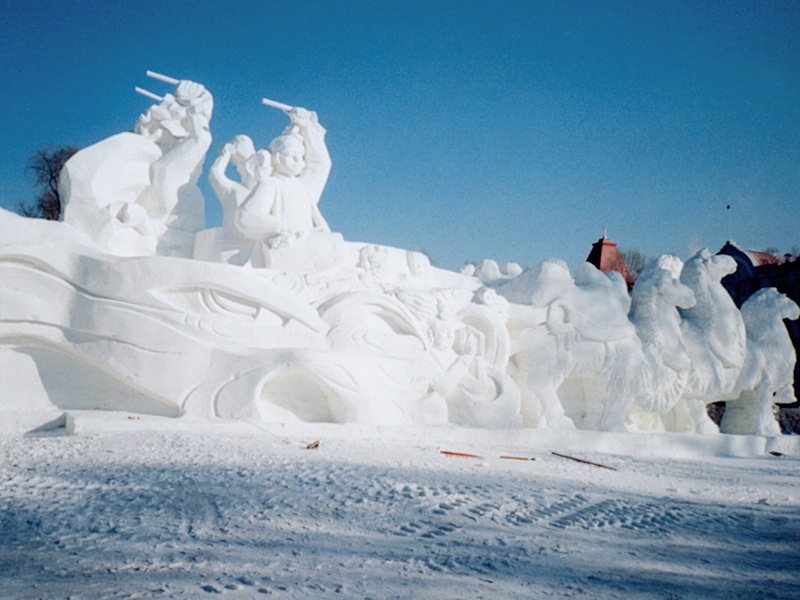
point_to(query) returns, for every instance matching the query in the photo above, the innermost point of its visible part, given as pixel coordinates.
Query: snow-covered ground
(132, 508)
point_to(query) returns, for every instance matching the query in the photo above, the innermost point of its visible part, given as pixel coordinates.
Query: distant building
(757, 270)
(606, 257)
(749, 260)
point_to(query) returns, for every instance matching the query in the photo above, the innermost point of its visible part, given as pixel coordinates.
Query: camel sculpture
(767, 377)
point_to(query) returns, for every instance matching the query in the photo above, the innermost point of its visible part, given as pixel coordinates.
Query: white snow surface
(135, 507)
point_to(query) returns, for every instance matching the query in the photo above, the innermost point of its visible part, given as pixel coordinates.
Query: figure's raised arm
(195, 97)
(229, 192)
(318, 160)
(173, 195)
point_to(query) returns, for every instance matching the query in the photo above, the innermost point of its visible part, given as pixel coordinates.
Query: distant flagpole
(729, 222)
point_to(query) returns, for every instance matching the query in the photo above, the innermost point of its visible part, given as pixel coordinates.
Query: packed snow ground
(137, 511)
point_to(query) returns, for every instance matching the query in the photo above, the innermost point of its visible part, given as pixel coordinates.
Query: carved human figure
(136, 194)
(240, 153)
(372, 260)
(462, 362)
(282, 207)
(179, 126)
(767, 376)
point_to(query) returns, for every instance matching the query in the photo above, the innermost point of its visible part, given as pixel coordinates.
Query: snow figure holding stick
(283, 205)
(136, 194)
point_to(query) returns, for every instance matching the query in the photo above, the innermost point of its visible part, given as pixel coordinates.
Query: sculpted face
(288, 156)
(442, 335)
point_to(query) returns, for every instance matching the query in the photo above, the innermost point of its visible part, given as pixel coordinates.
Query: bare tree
(45, 167)
(635, 261)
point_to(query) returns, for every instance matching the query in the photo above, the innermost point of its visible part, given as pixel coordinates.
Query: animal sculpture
(767, 377)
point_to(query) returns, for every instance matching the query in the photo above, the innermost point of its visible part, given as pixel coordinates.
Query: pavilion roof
(606, 257)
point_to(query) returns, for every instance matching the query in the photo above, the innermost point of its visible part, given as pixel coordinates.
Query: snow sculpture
(226, 244)
(136, 194)
(283, 205)
(170, 336)
(142, 334)
(767, 377)
(575, 355)
(655, 300)
(715, 338)
(488, 271)
(390, 357)
(127, 305)
(271, 217)
(240, 153)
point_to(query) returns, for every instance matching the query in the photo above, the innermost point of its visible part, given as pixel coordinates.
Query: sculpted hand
(303, 118)
(190, 92)
(195, 97)
(468, 342)
(285, 236)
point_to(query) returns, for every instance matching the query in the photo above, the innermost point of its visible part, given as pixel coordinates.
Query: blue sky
(506, 130)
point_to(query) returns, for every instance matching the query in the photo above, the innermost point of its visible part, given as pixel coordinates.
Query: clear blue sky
(506, 130)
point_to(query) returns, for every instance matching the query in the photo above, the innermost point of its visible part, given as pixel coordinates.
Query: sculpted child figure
(240, 153)
(282, 207)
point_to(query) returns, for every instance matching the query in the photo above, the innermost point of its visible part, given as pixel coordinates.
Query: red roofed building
(606, 257)
(748, 261)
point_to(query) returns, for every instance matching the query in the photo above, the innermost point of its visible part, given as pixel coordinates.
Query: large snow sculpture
(767, 377)
(172, 336)
(136, 194)
(714, 333)
(575, 354)
(127, 305)
(655, 300)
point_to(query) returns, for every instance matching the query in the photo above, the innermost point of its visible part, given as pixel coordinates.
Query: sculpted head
(242, 156)
(242, 149)
(670, 263)
(675, 293)
(696, 274)
(660, 281)
(552, 270)
(721, 265)
(288, 153)
(418, 263)
(764, 306)
(441, 334)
